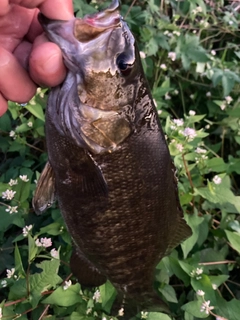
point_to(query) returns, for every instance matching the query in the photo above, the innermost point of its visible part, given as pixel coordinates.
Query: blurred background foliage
(190, 54)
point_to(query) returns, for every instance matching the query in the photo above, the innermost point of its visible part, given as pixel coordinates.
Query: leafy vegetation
(190, 53)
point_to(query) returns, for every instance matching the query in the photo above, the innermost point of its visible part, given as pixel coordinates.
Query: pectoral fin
(45, 194)
(85, 271)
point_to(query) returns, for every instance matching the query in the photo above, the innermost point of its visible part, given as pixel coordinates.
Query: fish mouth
(93, 25)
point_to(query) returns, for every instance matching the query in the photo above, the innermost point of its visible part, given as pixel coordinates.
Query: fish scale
(109, 165)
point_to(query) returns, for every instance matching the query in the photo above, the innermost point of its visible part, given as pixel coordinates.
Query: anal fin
(86, 273)
(45, 193)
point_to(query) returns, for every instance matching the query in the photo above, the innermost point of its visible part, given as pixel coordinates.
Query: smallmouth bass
(109, 165)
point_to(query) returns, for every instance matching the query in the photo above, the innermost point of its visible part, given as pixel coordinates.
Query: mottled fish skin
(114, 178)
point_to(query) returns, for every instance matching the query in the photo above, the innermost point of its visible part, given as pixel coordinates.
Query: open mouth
(91, 26)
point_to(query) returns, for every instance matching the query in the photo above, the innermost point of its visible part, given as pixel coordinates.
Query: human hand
(26, 56)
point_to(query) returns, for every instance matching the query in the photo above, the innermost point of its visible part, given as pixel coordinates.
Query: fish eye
(123, 65)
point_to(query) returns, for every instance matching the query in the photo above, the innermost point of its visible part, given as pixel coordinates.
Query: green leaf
(234, 239)
(36, 110)
(228, 84)
(65, 298)
(219, 194)
(158, 316)
(45, 280)
(216, 165)
(193, 221)
(108, 295)
(18, 262)
(32, 248)
(169, 293)
(194, 308)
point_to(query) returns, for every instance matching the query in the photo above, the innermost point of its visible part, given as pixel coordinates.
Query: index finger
(53, 9)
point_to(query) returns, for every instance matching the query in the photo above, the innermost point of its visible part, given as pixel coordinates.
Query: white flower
(172, 56)
(24, 178)
(207, 126)
(43, 242)
(159, 112)
(192, 96)
(179, 147)
(89, 310)
(54, 253)
(230, 22)
(177, 33)
(213, 52)
(12, 134)
(199, 271)
(32, 102)
(206, 307)
(192, 113)
(121, 312)
(8, 194)
(142, 54)
(178, 122)
(167, 96)
(200, 150)
(163, 66)
(30, 124)
(12, 209)
(12, 182)
(176, 92)
(204, 23)
(3, 283)
(228, 99)
(200, 293)
(196, 273)
(67, 284)
(10, 273)
(217, 179)
(96, 296)
(144, 315)
(189, 133)
(208, 94)
(223, 106)
(166, 32)
(214, 286)
(27, 229)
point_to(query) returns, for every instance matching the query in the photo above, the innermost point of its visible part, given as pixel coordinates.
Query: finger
(57, 9)
(15, 84)
(22, 53)
(14, 26)
(35, 28)
(3, 105)
(46, 65)
(4, 8)
(53, 9)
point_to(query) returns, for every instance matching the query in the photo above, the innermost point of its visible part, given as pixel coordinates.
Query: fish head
(101, 51)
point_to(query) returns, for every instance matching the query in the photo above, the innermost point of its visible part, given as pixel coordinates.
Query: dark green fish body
(109, 164)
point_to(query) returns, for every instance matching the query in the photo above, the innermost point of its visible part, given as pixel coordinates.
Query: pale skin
(27, 58)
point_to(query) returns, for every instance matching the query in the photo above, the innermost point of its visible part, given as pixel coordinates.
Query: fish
(109, 165)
